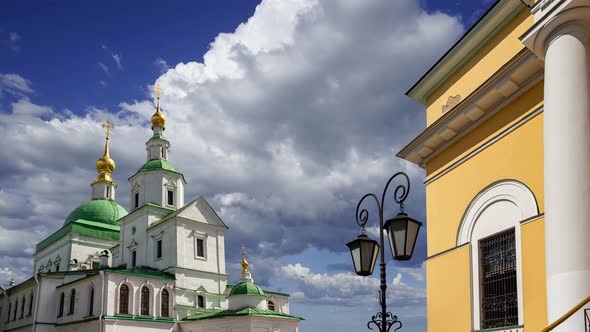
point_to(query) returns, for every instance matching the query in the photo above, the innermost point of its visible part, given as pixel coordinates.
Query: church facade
(158, 267)
(507, 160)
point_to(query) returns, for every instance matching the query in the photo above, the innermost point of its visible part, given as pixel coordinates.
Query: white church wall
(166, 233)
(135, 283)
(281, 302)
(19, 316)
(151, 187)
(143, 326)
(242, 324)
(81, 300)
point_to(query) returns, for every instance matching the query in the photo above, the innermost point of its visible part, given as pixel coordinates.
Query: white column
(567, 172)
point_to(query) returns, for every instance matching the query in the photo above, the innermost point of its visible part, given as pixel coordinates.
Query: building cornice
(516, 77)
(498, 16)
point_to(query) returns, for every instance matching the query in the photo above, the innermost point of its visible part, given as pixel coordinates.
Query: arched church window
(72, 301)
(201, 301)
(91, 302)
(62, 299)
(165, 303)
(271, 305)
(22, 308)
(15, 310)
(145, 301)
(9, 309)
(124, 299)
(30, 305)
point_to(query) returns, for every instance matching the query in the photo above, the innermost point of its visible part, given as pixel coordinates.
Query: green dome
(246, 288)
(157, 164)
(99, 210)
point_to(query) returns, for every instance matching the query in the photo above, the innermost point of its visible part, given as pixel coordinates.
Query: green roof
(264, 290)
(241, 312)
(98, 210)
(143, 272)
(158, 137)
(157, 164)
(246, 288)
(83, 227)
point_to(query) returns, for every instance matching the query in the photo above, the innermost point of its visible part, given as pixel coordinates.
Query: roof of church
(159, 136)
(85, 228)
(246, 288)
(157, 164)
(98, 210)
(242, 312)
(264, 290)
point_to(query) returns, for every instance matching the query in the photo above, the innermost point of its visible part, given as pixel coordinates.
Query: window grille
(124, 299)
(499, 301)
(165, 304)
(72, 301)
(145, 301)
(62, 299)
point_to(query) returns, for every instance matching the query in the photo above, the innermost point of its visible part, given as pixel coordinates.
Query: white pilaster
(561, 38)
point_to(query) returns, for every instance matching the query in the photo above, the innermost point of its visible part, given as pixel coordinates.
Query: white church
(159, 267)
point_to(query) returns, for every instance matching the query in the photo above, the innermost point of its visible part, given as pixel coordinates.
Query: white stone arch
(131, 296)
(512, 191)
(499, 207)
(152, 299)
(158, 306)
(59, 305)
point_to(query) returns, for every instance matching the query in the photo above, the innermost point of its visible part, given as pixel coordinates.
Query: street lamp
(402, 232)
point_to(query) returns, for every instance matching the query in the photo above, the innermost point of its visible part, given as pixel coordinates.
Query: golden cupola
(105, 165)
(158, 119)
(244, 262)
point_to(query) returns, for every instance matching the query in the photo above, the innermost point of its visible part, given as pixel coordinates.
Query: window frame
(61, 304)
(169, 197)
(165, 303)
(124, 299)
(201, 303)
(91, 302)
(159, 249)
(270, 304)
(144, 301)
(72, 302)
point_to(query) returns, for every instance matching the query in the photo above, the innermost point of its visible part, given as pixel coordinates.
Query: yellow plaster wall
(518, 155)
(448, 290)
(533, 275)
(497, 52)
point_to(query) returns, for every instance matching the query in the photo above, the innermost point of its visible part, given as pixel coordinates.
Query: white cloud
(162, 64)
(117, 58)
(286, 123)
(104, 67)
(15, 85)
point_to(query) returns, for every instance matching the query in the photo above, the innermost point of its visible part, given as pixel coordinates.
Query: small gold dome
(244, 261)
(158, 119)
(105, 165)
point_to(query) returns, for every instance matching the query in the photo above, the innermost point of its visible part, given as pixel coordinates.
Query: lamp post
(402, 232)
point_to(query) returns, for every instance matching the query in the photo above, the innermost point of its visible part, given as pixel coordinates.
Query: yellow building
(506, 151)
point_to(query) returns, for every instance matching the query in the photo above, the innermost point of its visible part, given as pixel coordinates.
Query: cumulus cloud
(339, 288)
(162, 64)
(14, 84)
(283, 126)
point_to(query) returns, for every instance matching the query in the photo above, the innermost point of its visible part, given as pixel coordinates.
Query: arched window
(271, 305)
(124, 299)
(30, 305)
(9, 309)
(62, 299)
(145, 301)
(22, 308)
(91, 302)
(491, 224)
(165, 304)
(15, 310)
(72, 301)
(200, 301)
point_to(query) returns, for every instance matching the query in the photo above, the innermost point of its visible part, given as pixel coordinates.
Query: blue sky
(281, 114)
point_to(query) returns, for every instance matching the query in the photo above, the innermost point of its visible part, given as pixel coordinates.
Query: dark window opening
(200, 301)
(499, 300)
(200, 248)
(62, 299)
(145, 301)
(136, 200)
(271, 306)
(9, 309)
(165, 304)
(15, 311)
(22, 309)
(133, 258)
(124, 299)
(72, 301)
(30, 305)
(56, 267)
(95, 265)
(108, 191)
(170, 197)
(91, 303)
(158, 249)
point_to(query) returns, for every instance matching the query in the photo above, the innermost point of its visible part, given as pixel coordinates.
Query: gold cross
(108, 126)
(158, 90)
(243, 251)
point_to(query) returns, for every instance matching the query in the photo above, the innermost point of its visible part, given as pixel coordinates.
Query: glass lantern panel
(398, 236)
(413, 228)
